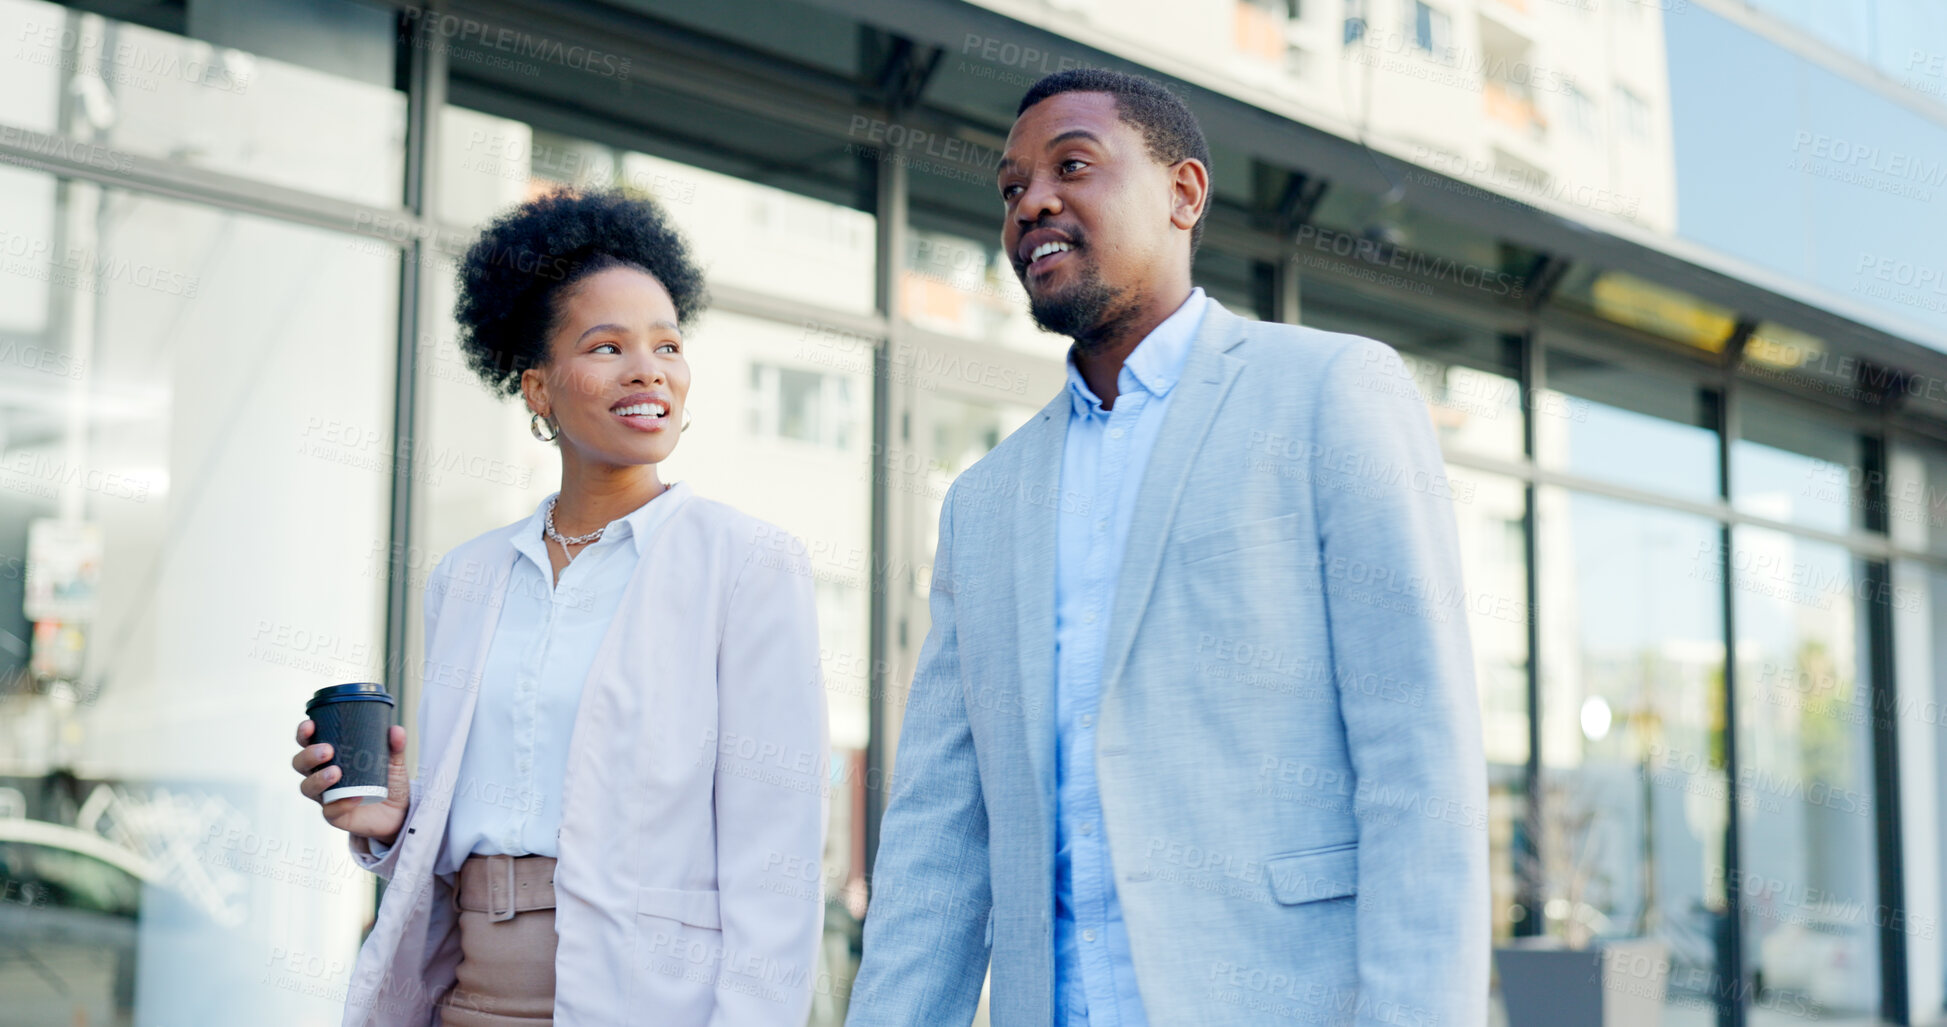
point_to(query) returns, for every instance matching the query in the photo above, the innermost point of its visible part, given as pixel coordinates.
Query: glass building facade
(1697, 440)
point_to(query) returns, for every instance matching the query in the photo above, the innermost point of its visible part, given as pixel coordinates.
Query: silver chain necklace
(569, 540)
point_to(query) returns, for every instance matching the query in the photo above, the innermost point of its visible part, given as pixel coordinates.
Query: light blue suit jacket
(1289, 742)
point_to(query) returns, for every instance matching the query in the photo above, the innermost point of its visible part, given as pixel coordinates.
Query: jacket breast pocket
(1330, 872)
(679, 951)
(1206, 545)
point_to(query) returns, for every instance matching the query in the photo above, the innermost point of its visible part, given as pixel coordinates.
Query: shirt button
(1088, 720)
(1088, 827)
(1115, 433)
(1089, 618)
(1088, 935)
(527, 764)
(1101, 525)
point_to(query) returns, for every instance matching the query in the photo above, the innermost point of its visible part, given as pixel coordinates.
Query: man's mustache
(1073, 233)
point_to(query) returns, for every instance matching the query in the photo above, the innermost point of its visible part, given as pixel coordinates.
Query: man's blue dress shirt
(1105, 456)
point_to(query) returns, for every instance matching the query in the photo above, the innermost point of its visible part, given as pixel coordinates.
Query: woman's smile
(643, 411)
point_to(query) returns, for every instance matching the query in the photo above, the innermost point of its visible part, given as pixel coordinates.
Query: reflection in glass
(156, 467)
(1489, 512)
(1647, 306)
(810, 406)
(948, 435)
(329, 123)
(1631, 824)
(1916, 496)
(1346, 213)
(1468, 377)
(1774, 348)
(1788, 465)
(957, 286)
(1920, 684)
(747, 235)
(1242, 285)
(819, 491)
(1806, 802)
(1602, 420)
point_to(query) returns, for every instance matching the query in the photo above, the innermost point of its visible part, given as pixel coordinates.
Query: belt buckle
(494, 912)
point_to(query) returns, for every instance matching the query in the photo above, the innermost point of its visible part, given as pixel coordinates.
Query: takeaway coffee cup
(354, 720)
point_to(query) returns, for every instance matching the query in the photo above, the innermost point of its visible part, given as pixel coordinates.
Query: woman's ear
(534, 392)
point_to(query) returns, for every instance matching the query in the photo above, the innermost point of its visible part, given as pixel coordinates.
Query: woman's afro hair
(514, 277)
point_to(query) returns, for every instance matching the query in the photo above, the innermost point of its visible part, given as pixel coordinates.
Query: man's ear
(1189, 192)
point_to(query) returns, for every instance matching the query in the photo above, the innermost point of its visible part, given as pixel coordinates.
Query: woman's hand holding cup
(379, 820)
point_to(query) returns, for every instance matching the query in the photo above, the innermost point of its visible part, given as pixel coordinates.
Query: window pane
(206, 506)
(965, 287)
(751, 236)
(1788, 464)
(948, 435)
(312, 108)
(1633, 816)
(1602, 420)
(807, 473)
(1241, 284)
(1489, 512)
(1916, 495)
(1468, 376)
(1805, 772)
(1920, 682)
(816, 490)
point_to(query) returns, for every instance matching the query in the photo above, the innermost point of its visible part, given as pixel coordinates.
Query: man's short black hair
(515, 276)
(1168, 127)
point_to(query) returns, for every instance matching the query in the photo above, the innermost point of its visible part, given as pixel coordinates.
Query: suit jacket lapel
(448, 738)
(1207, 377)
(1036, 472)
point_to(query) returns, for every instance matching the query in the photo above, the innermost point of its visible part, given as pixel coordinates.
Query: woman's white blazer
(693, 817)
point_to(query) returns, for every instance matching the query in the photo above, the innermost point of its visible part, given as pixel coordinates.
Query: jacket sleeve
(380, 858)
(772, 794)
(926, 950)
(1390, 568)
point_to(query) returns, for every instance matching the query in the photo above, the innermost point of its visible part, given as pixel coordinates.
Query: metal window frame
(1733, 1009)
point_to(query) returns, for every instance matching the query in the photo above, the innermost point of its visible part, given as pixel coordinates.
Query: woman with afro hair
(618, 808)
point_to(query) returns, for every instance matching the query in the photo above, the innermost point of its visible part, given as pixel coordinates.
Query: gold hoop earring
(534, 427)
(686, 420)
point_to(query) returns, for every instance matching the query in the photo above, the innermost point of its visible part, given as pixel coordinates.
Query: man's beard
(1090, 312)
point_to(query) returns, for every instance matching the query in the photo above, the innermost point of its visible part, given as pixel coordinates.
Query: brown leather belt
(504, 885)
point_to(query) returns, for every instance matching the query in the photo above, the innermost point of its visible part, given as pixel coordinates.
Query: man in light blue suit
(1193, 737)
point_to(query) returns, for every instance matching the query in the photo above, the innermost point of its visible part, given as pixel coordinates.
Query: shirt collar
(637, 524)
(1155, 363)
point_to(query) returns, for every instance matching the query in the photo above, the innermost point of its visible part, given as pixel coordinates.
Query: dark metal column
(1890, 837)
(1527, 852)
(422, 74)
(891, 211)
(1730, 988)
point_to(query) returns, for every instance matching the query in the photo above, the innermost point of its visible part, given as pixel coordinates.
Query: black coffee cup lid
(361, 691)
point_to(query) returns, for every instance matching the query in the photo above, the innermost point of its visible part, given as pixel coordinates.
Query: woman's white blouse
(507, 796)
